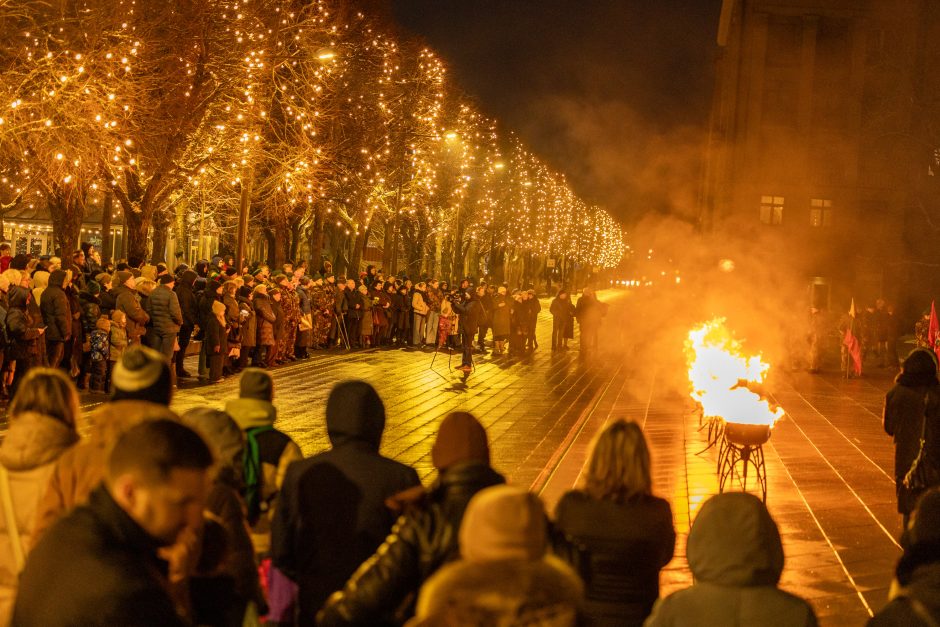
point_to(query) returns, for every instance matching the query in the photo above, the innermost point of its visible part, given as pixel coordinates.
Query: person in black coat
(187, 301)
(562, 311)
(57, 315)
(485, 292)
(532, 309)
(98, 565)
(914, 399)
(425, 537)
(471, 312)
(331, 515)
(614, 531)
(24, 333)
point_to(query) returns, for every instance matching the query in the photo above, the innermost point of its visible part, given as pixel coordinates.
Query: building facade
(825, 138)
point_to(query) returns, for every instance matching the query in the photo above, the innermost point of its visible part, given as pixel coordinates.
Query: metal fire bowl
(746, 435)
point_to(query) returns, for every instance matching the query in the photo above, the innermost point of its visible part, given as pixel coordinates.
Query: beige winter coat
(29, 451)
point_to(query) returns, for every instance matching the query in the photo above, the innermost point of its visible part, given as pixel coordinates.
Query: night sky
(614, 93)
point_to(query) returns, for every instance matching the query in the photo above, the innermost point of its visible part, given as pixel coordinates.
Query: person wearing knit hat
(331, 516)
(913, 596)
(142, 374)
(505, 575)
(268, 452)
(426, 537)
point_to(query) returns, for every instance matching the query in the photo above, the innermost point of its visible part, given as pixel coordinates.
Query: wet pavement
(829, 464)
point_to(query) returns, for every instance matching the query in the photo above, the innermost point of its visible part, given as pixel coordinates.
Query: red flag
(852, 344)
(933, 330)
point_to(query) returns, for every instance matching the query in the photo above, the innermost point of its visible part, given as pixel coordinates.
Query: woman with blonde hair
(614, 531)
(42, 427)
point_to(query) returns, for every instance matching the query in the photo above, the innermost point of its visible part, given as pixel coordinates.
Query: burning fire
(720, 374)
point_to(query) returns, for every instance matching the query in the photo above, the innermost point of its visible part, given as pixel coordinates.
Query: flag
(933, 330)
(852, 345)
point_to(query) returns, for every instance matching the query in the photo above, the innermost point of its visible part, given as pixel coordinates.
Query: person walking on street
(563, 312)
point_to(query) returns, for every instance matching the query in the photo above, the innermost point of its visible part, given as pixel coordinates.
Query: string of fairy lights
(317, 113)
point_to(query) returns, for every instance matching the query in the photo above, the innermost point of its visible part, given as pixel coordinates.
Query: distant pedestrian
(912, 412)
(331, 515)
(736, 557)
(562, 311)
(589, 312)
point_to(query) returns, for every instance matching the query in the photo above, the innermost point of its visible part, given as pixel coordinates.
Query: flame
(720, 373)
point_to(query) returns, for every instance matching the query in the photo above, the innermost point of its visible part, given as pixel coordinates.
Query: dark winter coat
(249, 325)
(421, 542)
(126, 300)
(265, 319)
(331, 515)
(563, 316)
(924, 589)
(471, 314)
(903, 419)
(108, 301)
(618, 549)
(340, 304)
(166, 316)
(91, 311)
(280, 328)
(95, 566)
(589, 311)
(532, 309)
(186, 297)
(22, 333)
(487, 302)
(56, 313)
(502, 306)
(215, 338)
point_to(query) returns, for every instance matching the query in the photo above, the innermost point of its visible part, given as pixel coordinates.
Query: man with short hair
(98, 565)
(166, 316)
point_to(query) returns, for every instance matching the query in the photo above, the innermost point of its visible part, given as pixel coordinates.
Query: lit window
(771, 209)
(820, 212)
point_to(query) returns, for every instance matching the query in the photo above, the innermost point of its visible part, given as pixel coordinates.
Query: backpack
(253, 474)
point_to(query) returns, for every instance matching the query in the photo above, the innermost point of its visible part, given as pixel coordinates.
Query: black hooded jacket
(331, 515)
(186, 297)
(55, 309)
(22, 333)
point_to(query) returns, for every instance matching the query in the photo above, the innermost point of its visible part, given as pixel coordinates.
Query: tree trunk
(138, 227)
(271, 256)
(161, 225)
(67, 212)
(387, 243)
(281, 243)
(358, 251)
(106, 227)
(294, 241)
(316, 241)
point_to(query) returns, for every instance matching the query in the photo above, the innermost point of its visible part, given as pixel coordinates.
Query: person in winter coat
(913, 599)
(355, 304)
(425, 537)
(249, 325)
(736, 558)
(274, 355)
(106, 296)
(40, 283)
(187, 302)
(505, 576)
(166, 317)
(57, 317)
(90, 305)
(305, 324)
(471, 312)
(23, 333)
(912, 408)
(100, 345)
(215, 341)
(210, 294)
(270, 452)
(98, 565)
(331, 515)
(614, 532)
(265, 320)
(562, 320)
(405, 317)
(419, 306)
(589, 312)
(532, 309)
(127, 301)
(366, 327)
(502, 307)
(485, 292)
(42, 426)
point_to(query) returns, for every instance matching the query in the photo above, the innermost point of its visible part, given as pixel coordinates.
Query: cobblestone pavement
(829, 464)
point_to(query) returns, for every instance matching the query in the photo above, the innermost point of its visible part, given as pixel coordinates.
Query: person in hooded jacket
(249, 325)
(127, 301)
(270, 452)
(914, 597)
(614, 531)
(42, 426)
(505, 574)
(24, 332)
(425, 537)
(562, 320)
(331, 515)
(90, 305)
(187, 302)
(736, 558)
(264, 319)
(216, 341)
(912, 408)
(57, 316)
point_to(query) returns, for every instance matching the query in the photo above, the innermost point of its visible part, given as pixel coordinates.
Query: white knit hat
(139, 367)
(503, 523)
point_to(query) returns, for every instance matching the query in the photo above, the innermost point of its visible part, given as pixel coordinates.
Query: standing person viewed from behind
(614, 531)
(42, 426)
(912, 412)
(562, 311)
(98, 565)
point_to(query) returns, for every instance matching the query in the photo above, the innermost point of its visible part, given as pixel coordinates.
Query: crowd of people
(80, 315)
